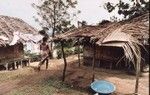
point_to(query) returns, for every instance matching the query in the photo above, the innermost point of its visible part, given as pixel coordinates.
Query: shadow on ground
(77, 78)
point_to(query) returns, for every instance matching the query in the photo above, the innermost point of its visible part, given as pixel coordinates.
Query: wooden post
(17, 64)
(137, 78)
(7, 66)
(99, 65)
(79, 53)
(21, 63)
(13, 65)
(29, 61)
(65, 62)
(93, 65)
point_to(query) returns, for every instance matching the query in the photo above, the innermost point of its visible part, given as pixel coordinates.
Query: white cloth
(4, 38)
(15, 38)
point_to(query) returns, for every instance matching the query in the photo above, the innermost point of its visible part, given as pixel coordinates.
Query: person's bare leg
(46, 64)
(41, 63)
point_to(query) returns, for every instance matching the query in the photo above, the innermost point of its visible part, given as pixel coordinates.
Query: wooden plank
(65, 62)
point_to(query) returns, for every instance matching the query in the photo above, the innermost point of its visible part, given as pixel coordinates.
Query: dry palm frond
(129, 44)
(131, 49)
(120, 60)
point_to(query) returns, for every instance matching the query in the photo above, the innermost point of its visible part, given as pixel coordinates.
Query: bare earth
(28, 81)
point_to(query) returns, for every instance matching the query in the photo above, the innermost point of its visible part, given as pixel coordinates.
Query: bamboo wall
(104, 55)
(10, 52)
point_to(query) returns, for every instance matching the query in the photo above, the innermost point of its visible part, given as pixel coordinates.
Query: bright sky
(92, 11)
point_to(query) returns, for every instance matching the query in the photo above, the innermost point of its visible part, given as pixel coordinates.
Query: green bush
(68, 51)
(33, 56)
(59, 54)
(76, 50)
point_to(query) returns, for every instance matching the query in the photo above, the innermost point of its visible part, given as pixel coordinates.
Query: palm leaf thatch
(137, 27)
(9, 25)
(131, 49)
(129, 44)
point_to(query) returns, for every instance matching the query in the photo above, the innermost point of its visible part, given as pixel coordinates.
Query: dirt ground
(28, 81)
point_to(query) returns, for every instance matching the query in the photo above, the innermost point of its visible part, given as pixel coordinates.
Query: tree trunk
(93, 65)
(65, 62)
(54, 29)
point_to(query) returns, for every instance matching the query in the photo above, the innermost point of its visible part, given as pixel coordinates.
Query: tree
(54, 14)
(129, 9)
(103, 22)
(82, 23)
(64, 26)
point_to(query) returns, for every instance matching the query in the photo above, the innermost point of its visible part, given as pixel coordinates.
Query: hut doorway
(107, 57)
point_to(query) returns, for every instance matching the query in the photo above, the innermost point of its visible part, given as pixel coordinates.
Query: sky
(92, 11)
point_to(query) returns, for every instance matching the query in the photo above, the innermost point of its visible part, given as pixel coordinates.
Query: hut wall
(104, 55)
(10, 52)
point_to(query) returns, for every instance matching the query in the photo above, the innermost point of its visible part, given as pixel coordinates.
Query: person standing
(45, 53)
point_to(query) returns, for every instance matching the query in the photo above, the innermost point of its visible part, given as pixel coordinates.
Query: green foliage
(131, 9)
(69, 51)
(33, 56)
(30, 54)
(103, 22)
(67, 44)
(76, 50)
(55, 14)
(59, 54)
(64, 26)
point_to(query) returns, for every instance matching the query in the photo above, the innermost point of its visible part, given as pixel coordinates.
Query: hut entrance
(106, 57)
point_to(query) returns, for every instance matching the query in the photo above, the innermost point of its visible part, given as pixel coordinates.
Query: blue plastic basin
(103, 87)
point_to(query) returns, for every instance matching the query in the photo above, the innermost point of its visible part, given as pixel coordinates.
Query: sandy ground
(77, 77)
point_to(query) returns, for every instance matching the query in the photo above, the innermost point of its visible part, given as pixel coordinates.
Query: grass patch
(14, 74)
(50, 86)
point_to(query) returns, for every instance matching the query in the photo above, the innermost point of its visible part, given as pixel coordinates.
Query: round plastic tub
(103, 87)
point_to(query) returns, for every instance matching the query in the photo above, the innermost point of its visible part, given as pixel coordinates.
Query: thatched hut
(107, 55)
(9, 25)
(111, 42)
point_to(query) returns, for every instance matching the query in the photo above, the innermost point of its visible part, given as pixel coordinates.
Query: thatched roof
(137, 27)
(9, 25)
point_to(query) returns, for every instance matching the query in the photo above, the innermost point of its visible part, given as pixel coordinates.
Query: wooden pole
(79, 53)
(93, 65)
(21, 63)
(137, 78)
(65, 62)
(13, 65)
(7, 66)
(17, 64)
(29, 61)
